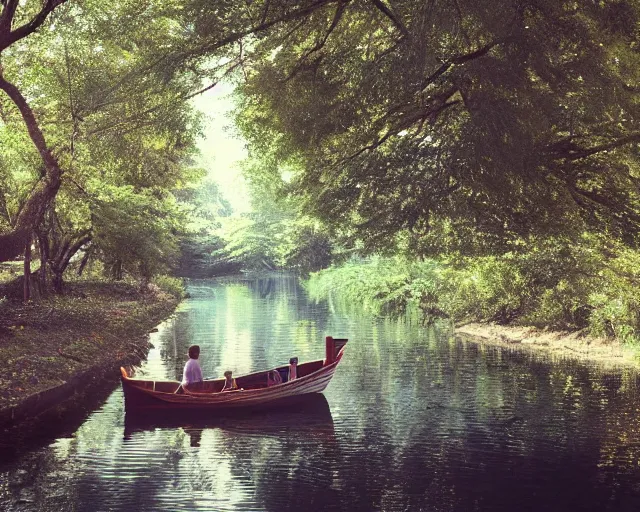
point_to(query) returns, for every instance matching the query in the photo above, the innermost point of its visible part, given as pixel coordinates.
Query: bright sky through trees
(222, 149)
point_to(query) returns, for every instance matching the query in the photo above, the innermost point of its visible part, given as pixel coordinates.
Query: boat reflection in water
(241, 459)
(311, 414)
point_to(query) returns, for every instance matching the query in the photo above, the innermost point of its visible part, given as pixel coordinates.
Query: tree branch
(296, 14)
(35, 206)
(30, 121)
(461, 18)
(83, 239)
(150, 110)
(630, 139)
(461, 59)
(394, 19)
(265, 11)
(8, 36)
(8, 12)
(436, 107)
(566, 149)
(320, 44)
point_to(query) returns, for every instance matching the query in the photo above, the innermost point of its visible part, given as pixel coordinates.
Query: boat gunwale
(235, 395)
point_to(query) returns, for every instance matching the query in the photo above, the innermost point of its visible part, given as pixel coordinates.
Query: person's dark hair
(293, 360)
(194, 351)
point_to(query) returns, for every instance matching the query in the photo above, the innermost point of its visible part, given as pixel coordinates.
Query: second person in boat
(229, 382)
(274, 378)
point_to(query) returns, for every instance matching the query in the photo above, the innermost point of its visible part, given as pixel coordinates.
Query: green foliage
(136, 230)
(276, 234)
(456, 127)
(121, 128)
(204, 203)
(581, 287)
(172, 285)
(498, 138)
(251, 242)
(488, 288)
(307, 248)
(615, 307)
(273, 240)
(382, 286)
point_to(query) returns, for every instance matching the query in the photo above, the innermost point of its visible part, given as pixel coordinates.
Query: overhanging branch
(8, 36)
(140, 115)
(380, 5)
(461, 59)
(567, 149)
(45, 190)
(430, 113)
(320, 44)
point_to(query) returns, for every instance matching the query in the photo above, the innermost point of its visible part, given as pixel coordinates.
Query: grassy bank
(46, 344)
(568, 289)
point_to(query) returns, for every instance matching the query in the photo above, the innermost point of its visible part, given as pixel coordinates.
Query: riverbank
(563, 344)
(53, 349)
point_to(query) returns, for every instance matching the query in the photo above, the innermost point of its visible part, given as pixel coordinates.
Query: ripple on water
(413, 420)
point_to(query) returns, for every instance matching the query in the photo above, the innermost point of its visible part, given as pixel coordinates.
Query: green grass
(45, 343)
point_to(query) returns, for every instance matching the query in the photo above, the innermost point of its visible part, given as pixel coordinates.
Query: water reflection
(260, 449)
(414, 419)
(310, 414)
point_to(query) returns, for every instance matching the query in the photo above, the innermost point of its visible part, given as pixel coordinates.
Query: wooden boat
(313, 377)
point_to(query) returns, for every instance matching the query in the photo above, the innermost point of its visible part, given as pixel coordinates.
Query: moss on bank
(95, 324)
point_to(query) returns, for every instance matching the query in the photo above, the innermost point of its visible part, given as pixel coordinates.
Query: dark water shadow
(58, 422)
(311, 413)
(288, 456)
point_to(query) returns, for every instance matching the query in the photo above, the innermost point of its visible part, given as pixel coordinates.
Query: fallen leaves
(46, 343)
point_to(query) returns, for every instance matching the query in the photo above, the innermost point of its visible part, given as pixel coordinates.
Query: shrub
(562, 285)
(171, 285)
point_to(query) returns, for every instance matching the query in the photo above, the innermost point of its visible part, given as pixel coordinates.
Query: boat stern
(334, 348)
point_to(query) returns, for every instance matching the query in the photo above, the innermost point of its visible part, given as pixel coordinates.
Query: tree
(15, 25)
(101, 92)
(455, 126)
(114, 123)
(136, 232)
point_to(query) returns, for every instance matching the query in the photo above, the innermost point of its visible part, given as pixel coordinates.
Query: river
(413, 420)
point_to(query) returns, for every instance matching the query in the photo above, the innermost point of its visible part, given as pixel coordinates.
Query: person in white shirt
(192, 373)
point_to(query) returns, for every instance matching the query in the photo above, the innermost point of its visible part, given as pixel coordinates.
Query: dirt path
(573, 345)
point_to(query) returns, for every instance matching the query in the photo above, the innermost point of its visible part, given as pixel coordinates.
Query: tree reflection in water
(286, 455)
(418, 420)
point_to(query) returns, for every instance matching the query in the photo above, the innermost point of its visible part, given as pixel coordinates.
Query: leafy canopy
(457, 126)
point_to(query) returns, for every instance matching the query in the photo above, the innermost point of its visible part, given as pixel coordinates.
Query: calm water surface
(413, 420)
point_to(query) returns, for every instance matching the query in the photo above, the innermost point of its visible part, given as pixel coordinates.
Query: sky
(222, 149)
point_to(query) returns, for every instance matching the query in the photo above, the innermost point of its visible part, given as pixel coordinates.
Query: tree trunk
(116, 270)
(63, 256)
(57, 282)
(27, 271)
(34, 208)
(43, 244)
(85, 260)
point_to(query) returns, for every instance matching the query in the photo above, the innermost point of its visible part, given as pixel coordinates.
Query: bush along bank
(586, 290)
(52, 349)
